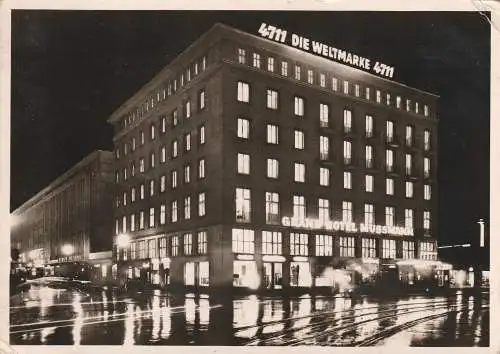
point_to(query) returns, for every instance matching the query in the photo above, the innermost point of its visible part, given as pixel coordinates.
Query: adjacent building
(246, 163)
(70, 219)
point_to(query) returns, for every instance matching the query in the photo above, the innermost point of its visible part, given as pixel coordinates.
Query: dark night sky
(71, 70)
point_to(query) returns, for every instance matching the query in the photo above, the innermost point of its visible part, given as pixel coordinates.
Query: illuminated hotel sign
(346, 226)
(281, 36)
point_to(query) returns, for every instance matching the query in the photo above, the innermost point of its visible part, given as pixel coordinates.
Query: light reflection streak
(156, 314)
(204, 309)
(166, 322)
(190, 307)
(45, 333)
(128, 339)
(77, 328)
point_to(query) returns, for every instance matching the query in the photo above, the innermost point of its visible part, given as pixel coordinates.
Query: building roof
(63, 178)
(219, 31)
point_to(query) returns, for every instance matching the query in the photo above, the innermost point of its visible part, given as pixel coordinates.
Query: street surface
(47, 313)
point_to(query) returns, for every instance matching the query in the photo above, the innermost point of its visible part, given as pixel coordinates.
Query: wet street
(49, 314)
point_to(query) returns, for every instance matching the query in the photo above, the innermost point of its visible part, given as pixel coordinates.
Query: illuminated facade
(248, 163)
(70, 218)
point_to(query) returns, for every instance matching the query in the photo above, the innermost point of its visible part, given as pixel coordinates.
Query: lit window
(347, 180)
(310, 76)
(187, 174)
(347, 152)
(124, 224)
(117, 176)
(174, 179)
(175, 152)
(133, 169)
(409, 135)
(141, 164)
(270, 64)
(187, 141)
(272, 208)
(409, 218)
(389, 131)
(299, 140)
(408, 105)
(284, 68)
(188, 244)
(323, 114)
(202, 135)
(174, 211)
(408, 164)
(272, 168)
(427, 192)
(323, 210)
(347, 248)
(187, 109)
(367, 93)
(204, 63)
(202, 242)
(201, 204)
(426, 110)
(243, 205)
(300, 172)
(141, 220)
(389, 186)
(388, 99)
(272, 99)
(297, 72)
(357, 90)
(408, 249)
(427, 220)
(244, 164)
(163, 247)
(379, 96)
(298, 106)
(369, 183)
(153, 131)
(427, 167)
(182, 79)
(369, 214)
(201, 168)
(409, 190)
(162, 214)
(133, 144)
(324, 245)
(322, 80)
(241, 56)
(346, 87)
(417, 108)
(335, 84)
(389, 249)
(125, 175)
(324, 177)
(299, 244)
(188, 74)
(243, 92)
(152, 187)
(299, 207)
(175, 117)
(142, 191)
(187, 208)
(369, 248)
(243, 128)
(272, 243)
(132, 196)
(346, 211)
(398, 101)
(256, 60)
(175, 246)
(272, 134)
(163, 154)
(369, 126)
(389, 160)
(151, 217)
(323, 147)
(389, 216)
(132, 222)
(125, 149)
(243, 241)
(369, 156)
(152, 160)
(202, 102)
(347, 121)
(427, 140)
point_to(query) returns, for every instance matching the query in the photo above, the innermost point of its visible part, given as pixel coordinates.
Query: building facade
(246, 163)
(69, 219)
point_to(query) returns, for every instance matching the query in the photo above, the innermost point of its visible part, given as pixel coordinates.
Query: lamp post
(481, 232)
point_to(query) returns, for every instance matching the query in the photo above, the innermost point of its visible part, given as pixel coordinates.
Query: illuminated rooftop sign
(316, 224)
(282, 36)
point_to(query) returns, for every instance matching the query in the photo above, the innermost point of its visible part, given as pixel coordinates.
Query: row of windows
(164, 246)
(272, 131)
(162, 93)
(243, 209)
(130, 223)
(325, 80)
(243, 241)
(174, 147)
(243, 167)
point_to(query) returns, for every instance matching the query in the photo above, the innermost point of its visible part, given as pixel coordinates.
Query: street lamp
(67, 250)
(122, 240)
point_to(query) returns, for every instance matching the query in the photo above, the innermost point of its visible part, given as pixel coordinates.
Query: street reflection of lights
(78, 324)
(155, 308)
(128, 339)
(204, 312)
(166, 322)
(477, 330)
(45, 332)
(273, 328)
(246, 313)
(46, 296)
(190, 307)
(470, 307)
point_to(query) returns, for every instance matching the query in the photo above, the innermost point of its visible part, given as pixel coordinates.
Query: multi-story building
(249, 163)
(69, 219)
